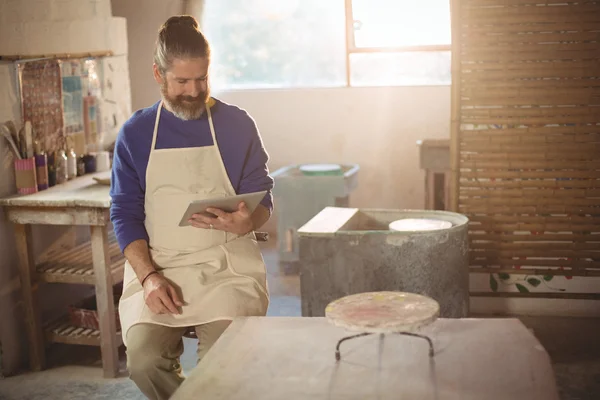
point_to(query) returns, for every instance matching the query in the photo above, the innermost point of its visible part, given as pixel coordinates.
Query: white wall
(376, 128)
(144, 18)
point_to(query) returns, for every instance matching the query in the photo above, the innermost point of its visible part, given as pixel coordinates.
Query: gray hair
(179, 37)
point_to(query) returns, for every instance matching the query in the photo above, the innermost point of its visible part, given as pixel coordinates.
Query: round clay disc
(321, 169)
(419, 224)
(382, 312)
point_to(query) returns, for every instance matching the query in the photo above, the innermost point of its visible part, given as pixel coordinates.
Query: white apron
(218, 275)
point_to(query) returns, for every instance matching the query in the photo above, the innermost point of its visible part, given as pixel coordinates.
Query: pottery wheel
(382, 312)
(419, 224)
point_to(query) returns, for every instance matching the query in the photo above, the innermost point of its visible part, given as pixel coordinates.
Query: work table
(293, 358)
(79, 192)
(81, 201)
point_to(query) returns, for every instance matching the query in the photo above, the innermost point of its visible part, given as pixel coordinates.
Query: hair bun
(182, 21)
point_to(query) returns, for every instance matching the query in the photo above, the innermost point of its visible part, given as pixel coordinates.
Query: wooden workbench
(81, 201)
(293, 358)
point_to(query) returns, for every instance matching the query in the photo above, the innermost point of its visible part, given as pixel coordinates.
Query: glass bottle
(71, 164)
(62, 169)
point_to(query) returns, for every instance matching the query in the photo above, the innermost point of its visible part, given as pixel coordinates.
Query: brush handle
(28, 140)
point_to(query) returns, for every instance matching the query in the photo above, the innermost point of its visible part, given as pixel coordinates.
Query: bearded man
(188, 146)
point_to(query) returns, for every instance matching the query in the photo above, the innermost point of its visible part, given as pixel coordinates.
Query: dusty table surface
(83, 191)
(293, 358)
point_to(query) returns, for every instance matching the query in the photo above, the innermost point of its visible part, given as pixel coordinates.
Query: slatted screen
(526, 134)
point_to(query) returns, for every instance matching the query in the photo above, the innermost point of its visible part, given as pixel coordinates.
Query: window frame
(351, 47)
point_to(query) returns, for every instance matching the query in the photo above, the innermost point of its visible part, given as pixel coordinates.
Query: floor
(573, 345)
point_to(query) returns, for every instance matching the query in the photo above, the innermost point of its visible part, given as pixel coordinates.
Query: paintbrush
(7, 135)
(13, 130)
(22, 143)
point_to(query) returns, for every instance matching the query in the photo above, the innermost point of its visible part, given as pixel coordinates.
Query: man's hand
(238, 222)
(160, 295)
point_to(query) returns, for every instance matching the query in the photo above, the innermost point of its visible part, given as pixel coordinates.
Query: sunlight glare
(395, 23)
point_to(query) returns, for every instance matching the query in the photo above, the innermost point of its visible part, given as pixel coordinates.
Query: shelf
(75, 265)
(62, 331)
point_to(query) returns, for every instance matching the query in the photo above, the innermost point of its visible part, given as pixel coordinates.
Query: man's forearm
(260, 216)
(138, 255)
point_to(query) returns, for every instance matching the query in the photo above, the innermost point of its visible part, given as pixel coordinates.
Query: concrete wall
(144, 18)
(376, 128)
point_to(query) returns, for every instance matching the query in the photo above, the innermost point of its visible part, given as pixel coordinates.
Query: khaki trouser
(153, 355)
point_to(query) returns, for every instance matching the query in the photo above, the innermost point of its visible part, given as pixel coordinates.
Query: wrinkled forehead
(188, 68)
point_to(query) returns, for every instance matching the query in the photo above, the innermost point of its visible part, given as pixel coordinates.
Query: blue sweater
(240, 145)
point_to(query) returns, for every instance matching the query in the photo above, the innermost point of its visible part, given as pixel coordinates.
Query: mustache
(191, 99)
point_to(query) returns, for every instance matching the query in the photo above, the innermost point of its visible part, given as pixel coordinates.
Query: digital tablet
(227, 204)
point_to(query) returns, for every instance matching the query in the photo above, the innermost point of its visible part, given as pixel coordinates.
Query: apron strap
(154, 134)
(216, 147)
(212, 127)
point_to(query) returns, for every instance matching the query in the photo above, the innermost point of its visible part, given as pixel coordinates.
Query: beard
(185, 107)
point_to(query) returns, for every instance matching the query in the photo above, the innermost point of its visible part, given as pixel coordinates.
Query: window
(327, 43)
(398, 42)
(276, 43)
(400, 23)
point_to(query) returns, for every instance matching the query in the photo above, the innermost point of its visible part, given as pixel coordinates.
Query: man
(186, 147)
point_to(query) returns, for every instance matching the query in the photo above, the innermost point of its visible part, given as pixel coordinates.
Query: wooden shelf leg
(105, 301)
(37, 356)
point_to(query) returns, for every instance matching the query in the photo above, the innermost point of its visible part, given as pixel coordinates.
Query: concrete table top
(293, 358)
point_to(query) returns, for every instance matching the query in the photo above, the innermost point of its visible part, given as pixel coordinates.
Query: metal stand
(337, 348)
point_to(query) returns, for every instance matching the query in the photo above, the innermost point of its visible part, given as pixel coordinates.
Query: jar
(80, 166)
(62, 173)
(41, 163)
(90, 163)
(51, 169)
(71, 164)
